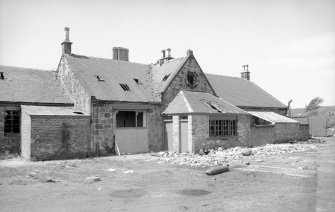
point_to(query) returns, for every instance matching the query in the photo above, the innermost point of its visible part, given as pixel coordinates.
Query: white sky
(288, 44)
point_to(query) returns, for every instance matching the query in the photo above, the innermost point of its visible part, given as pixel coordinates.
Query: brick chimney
(245, 74)
(120, 53)
(66, 45)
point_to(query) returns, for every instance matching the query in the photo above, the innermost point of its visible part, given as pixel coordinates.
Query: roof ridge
(25, 68)
(188, 105)
(101, 58)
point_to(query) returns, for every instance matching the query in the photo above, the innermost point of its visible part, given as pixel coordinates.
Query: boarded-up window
(12, 122)
(219, 128)
(130, 119)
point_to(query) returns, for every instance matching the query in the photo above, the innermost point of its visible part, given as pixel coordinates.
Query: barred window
(219, 128)
(12, 122)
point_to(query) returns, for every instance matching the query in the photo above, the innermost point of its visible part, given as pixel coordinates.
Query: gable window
(12, 122)
(125, 87)
(130, 119)
(218, 128)
(166, 77)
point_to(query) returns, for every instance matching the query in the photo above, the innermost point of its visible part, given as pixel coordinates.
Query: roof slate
(198, 102)
(114, 72)
(272, 117)
(31, 86)
(241, 92)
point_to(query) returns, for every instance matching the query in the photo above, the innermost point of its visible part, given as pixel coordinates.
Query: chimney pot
(245, 74)
(163, 52)
(66, 45)
(169, 52)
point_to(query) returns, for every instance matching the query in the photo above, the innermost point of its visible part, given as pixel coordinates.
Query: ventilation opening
(100, 78)
(213, 107)
(138, 81)
(78, 113)
(2, 77)
(125, 87)
(166, 77)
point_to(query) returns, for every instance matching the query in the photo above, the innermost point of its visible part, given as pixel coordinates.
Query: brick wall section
(304, 132)
(179, 82)
(72, 86)
(47, 141)
(155, 129)
(260, 135)
(201, 139)
(285, 132)
(10, 142)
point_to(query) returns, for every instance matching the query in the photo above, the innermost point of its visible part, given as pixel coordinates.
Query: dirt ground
(300, 181)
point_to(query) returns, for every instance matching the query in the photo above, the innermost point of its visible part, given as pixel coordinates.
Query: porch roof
(188, 102)
(272, 117)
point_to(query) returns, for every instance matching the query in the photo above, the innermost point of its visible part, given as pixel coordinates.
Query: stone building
(95, 106)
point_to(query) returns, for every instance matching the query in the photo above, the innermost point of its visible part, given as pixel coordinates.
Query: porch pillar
(176, 133)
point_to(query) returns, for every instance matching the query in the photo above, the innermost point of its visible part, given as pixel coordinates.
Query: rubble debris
(128, 171)
(247, 152)
(111, 170)
(50, 180)
(92, 179)
(220, 156)
(217, 170)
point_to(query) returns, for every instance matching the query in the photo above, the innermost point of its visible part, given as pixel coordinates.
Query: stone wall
(285, 132)
(155, 129)
(73, 87)
(104, 125)
(179, 81)
(10, 141)
(201, 139)
(304, 134)
(60, 137)
(262, 134)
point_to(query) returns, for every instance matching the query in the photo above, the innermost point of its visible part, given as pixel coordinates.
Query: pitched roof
(272, 117)
(31, 86)
(198, 102)
(241, 92)
(113, 73)
(162, 75)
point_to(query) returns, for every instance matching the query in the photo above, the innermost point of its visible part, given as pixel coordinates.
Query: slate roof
(113, 72)
(241, 92)
(272, 117)
(198, 102)
(51, 111)
(31, 86)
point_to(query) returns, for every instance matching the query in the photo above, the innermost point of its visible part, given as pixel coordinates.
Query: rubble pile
(220, 156)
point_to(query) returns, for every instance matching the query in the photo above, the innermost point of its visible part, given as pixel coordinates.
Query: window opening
(78, 112)
(166, 77)
(219, 128)
(130, 119)
(12, 122)
(182, 117)
(138, 81)
(100, 78)
(125, 87)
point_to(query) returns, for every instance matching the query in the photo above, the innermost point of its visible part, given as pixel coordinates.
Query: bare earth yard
(267, 180)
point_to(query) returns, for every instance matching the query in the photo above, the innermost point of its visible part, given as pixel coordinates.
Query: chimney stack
(66, 45)
(245, 74)
(120, 53)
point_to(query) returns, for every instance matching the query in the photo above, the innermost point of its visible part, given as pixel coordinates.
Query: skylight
(138, 81)
(125, 87)
(166, 77)
(100, 78)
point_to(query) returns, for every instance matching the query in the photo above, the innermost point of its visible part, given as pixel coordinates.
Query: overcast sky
(289, 45)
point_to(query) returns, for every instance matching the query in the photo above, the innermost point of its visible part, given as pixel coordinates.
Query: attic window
(100, 78)
(166, 77)
(138, 81)
(125, 87)
(2, 77)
